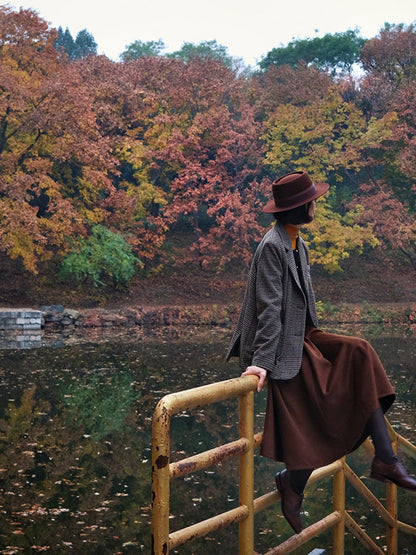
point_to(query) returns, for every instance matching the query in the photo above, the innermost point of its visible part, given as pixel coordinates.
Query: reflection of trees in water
(73, 475)
(75, 443)
(100, 403)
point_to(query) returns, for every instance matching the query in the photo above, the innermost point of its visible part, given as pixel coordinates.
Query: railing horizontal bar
(368, 496)
(204, 527)
(204, 395)
(208, 458)
(407, 447)
(307, 534)
(407, 528)
(369, 447)
(266, 500)
(361, 536)
(392, 432)
(325, 471)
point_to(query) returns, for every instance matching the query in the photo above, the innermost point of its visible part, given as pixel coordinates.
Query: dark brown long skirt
(320, 415)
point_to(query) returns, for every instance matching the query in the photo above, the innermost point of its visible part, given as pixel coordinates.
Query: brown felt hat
(293, 190)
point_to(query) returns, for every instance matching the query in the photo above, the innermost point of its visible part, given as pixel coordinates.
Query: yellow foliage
(141, 189)
(320, 137)
(332, 237)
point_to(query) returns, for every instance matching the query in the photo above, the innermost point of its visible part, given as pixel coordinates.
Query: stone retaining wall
(20, 319)
(20, 328)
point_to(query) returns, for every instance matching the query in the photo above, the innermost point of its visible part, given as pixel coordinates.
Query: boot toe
(396, 473)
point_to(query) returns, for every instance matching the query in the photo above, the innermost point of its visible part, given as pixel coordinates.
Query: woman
(326, 392)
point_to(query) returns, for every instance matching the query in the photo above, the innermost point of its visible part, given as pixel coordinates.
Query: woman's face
(312, 209)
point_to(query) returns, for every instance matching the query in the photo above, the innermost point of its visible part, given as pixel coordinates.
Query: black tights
(377, 429)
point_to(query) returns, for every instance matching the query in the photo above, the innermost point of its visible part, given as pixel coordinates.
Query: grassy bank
(369, 290)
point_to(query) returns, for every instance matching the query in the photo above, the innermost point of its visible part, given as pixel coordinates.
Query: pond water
(75, 443)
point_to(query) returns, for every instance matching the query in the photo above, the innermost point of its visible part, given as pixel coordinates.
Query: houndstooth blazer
(271, 327)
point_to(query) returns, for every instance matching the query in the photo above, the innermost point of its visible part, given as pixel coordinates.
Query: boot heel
(376, 476)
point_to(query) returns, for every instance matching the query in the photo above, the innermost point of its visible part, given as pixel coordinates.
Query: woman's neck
(293, 232)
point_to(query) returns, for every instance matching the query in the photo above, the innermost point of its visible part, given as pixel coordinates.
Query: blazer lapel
(303, 259)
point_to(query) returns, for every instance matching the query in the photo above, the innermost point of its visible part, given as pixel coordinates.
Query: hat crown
(293, 190)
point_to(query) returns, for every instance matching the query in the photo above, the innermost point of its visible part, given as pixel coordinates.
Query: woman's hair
(296, 216)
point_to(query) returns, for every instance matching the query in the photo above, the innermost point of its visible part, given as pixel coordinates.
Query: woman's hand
(256, 371)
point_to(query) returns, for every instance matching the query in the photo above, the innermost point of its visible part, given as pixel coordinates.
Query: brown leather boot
(291, 501)
(396, 473)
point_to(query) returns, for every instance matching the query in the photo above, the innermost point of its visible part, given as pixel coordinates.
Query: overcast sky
(249, 29)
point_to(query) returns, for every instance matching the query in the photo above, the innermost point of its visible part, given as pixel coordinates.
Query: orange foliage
(53, 161)
(159, 148)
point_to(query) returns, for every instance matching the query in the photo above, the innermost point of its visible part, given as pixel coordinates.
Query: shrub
(104, 257)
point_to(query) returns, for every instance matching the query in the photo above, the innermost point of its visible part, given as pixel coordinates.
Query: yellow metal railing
(164, 471)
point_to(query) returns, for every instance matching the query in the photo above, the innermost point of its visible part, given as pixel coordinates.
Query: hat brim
(270, 207)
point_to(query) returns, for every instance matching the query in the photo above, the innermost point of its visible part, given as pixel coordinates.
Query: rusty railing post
(161, 480)
(392, 506)
(246, 473)
(339, 505)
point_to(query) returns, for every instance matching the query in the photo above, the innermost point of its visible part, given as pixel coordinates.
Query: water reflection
(75, 443)
(20, 339)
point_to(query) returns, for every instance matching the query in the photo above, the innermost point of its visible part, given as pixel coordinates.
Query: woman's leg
(291, 484)
(298, 479)
(386, 466)
(376, 427)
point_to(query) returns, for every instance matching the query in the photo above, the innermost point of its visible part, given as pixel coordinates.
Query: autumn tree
(388, 91)
(404, 105)
(175, 154)
(124, 109)
(322, 135)
(327, 138)
(393, 223)
(189, 158)
(54, 163)
(392, 54)
(206, 155)
(287, 85)
(389, 61)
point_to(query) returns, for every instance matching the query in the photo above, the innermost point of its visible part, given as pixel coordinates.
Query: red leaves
(46, 123)
(159, 148)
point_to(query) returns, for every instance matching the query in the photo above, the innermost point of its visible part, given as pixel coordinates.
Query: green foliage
(65, 41)
(326, 309)
(101, 406)
(104, 256)
(205, 49)
(139, 49)
(84, 44)
(334, 52)
(371, 313)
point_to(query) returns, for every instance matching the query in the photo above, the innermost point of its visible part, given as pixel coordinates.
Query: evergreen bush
(104, 258)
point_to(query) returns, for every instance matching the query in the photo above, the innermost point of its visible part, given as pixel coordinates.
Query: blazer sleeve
(269, 295)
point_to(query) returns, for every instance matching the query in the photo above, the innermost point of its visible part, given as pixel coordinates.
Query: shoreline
(222, 315)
